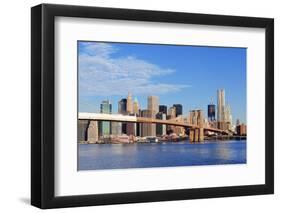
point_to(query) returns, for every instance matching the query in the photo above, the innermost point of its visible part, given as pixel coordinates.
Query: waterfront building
(178, 108)
(131, 129)
(160, 128)
(153, 108)
(147, 129)
(163, 109)
(116, 128)
(241, 130)
(130, 104)
(104, 126)
(211, 112)
(82, 130)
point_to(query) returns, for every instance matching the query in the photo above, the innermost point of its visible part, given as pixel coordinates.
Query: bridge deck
(135, 119)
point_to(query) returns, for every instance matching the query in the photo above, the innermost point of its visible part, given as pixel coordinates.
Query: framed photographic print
(139, 106)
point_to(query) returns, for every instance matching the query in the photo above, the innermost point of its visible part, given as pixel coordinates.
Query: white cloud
(101, 74)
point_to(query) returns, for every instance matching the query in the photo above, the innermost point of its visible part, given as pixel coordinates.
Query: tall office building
(153, 104)
(136, 107)
(130, 127)
(122, 106)
(147, 129)
(104, 127)
(221, 109)
(178, 108)
(171, 113)
(220, 105)
(163, 109)
(228, 117)
(227, 114)
(122, 109)
(160, 128)
(130, 105)
(116, 128)
(211, 112)
(153, 108)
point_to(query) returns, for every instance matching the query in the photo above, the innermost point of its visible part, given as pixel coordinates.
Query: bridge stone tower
(92, 132)
(196, 118)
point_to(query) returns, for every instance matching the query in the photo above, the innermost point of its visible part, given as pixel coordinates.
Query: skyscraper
(160, 128)
(163, 109)
(178, 109)
(122, 106)
(147, 129)
(211, 112)
(130, 104)
(227, 114)
(153, 108)
(122, 109)
(228, 117)
(104, 127)
(116, 128)
(153, 104)
(221, 109)
(136, 107)
(171, 113)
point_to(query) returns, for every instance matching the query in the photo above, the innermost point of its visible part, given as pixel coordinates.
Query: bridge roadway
(135, 119)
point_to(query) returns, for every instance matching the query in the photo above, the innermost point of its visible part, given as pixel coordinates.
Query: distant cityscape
(145, 105)
(217, 124)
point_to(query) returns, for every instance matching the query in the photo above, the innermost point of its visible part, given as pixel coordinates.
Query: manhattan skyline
(187, 75)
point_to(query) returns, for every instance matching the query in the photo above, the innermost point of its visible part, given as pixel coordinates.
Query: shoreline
(242, 138)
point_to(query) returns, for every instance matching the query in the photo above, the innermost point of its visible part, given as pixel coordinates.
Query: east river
(145, 155)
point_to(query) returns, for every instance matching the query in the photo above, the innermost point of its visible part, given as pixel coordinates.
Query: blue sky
(188, 75)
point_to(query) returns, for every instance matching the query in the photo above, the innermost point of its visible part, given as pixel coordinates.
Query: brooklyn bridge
(196, 131)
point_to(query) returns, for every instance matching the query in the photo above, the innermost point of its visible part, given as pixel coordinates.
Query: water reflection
(118, 156)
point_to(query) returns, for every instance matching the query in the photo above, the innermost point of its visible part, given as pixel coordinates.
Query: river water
(145, 155)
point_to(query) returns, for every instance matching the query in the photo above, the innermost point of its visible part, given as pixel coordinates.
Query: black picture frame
(43, 105)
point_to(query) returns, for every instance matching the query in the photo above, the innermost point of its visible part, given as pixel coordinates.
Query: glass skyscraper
(211, 112)
(106, 108)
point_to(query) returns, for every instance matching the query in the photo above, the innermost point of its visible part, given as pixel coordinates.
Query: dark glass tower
(211, 112)
(163, 109)
(178, 109)
(122, 106)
